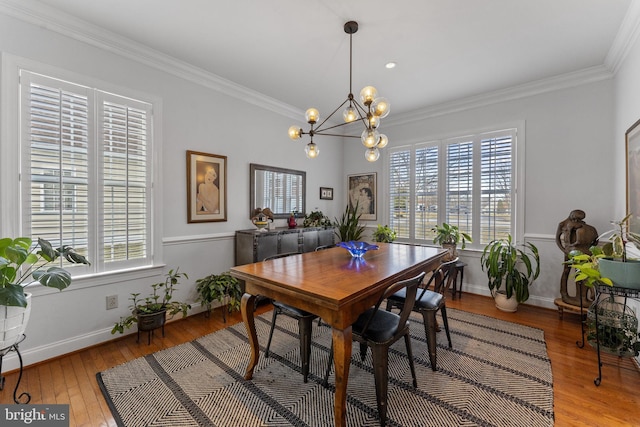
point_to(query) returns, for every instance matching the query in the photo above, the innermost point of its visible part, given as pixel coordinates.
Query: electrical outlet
(112, 302)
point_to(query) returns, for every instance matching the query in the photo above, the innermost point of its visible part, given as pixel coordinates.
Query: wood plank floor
(577, 401)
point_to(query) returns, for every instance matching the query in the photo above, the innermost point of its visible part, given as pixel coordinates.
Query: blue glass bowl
(357, 249)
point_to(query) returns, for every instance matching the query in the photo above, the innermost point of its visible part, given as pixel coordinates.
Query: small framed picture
(206, 187)
(326, 193)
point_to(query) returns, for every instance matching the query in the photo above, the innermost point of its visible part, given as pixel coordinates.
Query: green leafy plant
(19, 261)
(619, 237)
(348, 226)
(447, 234)
(160, 300)
(217, 287)
(586, 267)
(384, 233)
(316, 219)
(503, 262)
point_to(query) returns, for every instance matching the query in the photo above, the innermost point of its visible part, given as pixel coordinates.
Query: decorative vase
(292, 221)
(510, 305)
(13, 322)
(623, 274)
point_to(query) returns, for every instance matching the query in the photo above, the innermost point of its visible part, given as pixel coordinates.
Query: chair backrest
(280, 255)
(320, 248)
(442, 277)
(411, 286)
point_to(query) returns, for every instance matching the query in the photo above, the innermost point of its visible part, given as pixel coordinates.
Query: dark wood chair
(428, 302)
(305, 320)
(379, 330)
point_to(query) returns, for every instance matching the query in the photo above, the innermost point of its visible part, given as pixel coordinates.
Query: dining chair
(379, 329)
(304, 318)
(428, 302)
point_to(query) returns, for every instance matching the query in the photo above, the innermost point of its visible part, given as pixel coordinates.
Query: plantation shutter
(459, 184)
(400, 191)
(426, 191)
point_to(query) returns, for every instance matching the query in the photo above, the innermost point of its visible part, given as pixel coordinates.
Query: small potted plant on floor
(510, 271)
(150, 312)
(19, 262)
(223, 288)
(448, 236)
(384, 233)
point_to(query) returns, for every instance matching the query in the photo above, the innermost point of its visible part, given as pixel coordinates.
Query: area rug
(497, 374)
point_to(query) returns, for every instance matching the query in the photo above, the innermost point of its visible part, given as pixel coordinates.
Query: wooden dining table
(335, 286)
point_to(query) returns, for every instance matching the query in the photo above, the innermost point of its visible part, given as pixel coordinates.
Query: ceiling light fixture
(369, 111)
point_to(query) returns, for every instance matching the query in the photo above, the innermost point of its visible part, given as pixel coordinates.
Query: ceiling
(298, 53)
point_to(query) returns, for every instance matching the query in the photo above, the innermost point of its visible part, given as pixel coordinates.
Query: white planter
(503, 303)
(13, 322)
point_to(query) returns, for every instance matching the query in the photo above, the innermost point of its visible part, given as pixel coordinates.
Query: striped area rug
(497, 374)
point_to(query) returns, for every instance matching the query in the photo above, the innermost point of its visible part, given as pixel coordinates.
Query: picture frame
(326, 193)
(362, 192)
(206, 187)
(632, 147)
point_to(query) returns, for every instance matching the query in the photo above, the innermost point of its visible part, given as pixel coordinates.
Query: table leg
(247, 307)
(342, 361)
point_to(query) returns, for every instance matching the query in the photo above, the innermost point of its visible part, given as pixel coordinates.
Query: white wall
(195, 117)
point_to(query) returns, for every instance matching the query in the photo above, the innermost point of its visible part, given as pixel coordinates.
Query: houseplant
(151, 312)
(507, 265)
(219, 287)
(316, 219)
(19, 262)
(384, 233)
(448, 236)
(616, 264)
(348, 227)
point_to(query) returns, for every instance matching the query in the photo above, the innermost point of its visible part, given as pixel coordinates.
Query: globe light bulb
(370, 138)
(368, 94)
(383, 141)
(312, 115)
(312, 150)
(349, 115)
(372, 154)
(374, 122)
(380, 107)
(295, 132)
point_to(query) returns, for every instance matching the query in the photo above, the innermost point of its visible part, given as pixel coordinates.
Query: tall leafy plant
(348, 226)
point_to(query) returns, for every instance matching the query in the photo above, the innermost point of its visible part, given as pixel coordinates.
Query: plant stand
(621, 320)
(151, 322)
(3, 352)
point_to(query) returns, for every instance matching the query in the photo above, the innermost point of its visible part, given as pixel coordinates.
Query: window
(466, 181)
(86, 171)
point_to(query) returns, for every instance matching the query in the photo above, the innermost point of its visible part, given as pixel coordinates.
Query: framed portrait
(206, 187)
(362, 192)
(326, 193)
(632, 137)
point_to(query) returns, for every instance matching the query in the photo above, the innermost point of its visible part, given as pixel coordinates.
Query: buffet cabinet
(254, 245)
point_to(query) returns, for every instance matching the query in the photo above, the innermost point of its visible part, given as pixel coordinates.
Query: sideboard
(254, 245)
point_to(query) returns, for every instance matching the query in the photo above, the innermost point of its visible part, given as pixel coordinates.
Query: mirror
(281, 190)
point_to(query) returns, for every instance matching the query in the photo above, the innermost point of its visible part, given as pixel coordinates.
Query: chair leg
(304, 330)
(380, 372)
(363, 351)
(273, 326)
(328, 371)
(443, 311)
(407, 342)
(429, 320)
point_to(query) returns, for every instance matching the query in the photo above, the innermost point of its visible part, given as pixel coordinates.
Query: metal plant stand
(3, 352)
(612, 291)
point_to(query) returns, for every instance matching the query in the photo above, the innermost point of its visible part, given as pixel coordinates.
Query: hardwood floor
(577, 401)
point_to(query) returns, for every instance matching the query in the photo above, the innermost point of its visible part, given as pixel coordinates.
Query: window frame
(10, 180)
(518, 174)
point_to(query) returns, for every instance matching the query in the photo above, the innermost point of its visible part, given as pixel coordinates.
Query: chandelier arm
(337, 134)
(334, 111)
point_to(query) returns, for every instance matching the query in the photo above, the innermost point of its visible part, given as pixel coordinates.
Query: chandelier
(368, 111)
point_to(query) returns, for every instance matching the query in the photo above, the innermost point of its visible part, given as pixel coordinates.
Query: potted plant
(510, 271)
(615, 264)
(219, 287)
(348, 227)
(151, 312)
(448, 236)
(384, 233)
(316, 219)
(19, 262)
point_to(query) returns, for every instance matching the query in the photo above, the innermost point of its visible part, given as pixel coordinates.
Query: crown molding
(625, 39)
(52, 19)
